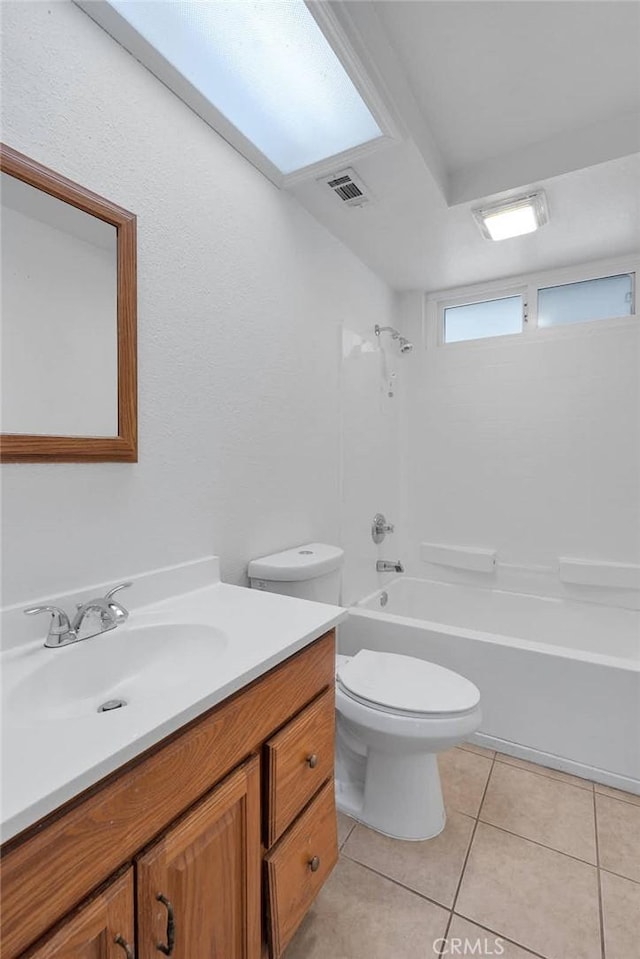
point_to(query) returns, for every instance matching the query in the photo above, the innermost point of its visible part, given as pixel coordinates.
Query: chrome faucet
(380, 527)
(385, 566)
(91, 619)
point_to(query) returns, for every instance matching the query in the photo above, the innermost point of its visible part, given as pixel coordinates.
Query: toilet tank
(311, 572)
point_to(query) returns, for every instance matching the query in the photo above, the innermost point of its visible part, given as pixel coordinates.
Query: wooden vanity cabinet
(102, 929)
(230, 819)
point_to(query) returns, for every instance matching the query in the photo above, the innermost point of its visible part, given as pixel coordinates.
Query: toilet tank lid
(297, 564)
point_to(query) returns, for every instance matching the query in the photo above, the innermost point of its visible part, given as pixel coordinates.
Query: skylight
(265, 66)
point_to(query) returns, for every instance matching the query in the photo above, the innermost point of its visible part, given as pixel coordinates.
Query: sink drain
(111, 704)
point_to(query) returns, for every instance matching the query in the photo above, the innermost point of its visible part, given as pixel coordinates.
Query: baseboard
(603, 776)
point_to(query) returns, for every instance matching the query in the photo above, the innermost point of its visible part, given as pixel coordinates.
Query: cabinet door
(103, 929)
(198, 887)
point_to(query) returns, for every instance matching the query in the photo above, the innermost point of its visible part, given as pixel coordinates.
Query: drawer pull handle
(119, 941)
(314, 864)
(312, 761)
(171, 927)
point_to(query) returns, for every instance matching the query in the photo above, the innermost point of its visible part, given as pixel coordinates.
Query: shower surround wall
(242, 301)
(529, 446)
(372, 476)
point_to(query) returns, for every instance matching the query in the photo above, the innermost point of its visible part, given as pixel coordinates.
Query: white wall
(529, 446)
(242, 298)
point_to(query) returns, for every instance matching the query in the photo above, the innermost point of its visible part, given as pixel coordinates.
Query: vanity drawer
(299, 865)
(298, 760)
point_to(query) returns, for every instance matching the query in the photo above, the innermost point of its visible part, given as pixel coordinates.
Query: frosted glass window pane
(267, 67)
(599, 299)
(475, 321)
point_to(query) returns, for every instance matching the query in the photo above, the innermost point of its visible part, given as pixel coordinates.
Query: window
(265, 69)
(599, 299)
(475, 321)
(551, 304)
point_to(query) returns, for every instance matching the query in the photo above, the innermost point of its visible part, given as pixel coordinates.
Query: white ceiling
(492, 78)
(492, 98)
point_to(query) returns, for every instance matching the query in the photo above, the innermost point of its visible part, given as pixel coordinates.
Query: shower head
(405, 345)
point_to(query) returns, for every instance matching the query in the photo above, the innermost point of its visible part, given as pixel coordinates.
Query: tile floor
(532, 863)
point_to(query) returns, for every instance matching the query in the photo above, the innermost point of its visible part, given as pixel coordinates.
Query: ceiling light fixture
(513, 217)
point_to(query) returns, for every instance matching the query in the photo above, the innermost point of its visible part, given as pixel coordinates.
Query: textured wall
(242, 298)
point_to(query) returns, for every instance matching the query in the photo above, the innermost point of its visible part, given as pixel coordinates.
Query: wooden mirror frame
(15, 447)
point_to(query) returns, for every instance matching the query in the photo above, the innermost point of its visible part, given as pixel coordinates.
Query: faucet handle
(380, 527)
(60, 621)
(116, 589)
(121, 614)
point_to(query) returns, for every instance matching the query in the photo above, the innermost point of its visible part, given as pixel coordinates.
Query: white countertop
(47, 762)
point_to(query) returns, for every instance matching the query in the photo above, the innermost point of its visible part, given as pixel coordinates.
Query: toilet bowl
(394, 713)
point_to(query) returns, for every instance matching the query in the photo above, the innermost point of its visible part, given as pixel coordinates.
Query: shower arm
(386, 329)
(405, 345)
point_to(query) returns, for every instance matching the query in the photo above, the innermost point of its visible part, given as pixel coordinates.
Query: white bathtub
(560, 679)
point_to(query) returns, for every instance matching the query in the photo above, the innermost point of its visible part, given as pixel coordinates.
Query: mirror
(68, 338)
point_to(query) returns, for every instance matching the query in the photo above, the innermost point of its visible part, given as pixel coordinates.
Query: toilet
(394, 713)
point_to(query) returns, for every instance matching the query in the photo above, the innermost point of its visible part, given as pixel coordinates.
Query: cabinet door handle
(312, 761)
(171, 927)
(314, 864)
(119, 941)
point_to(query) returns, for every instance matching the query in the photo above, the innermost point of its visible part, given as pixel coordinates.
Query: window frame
(527, 286)
(504, 293)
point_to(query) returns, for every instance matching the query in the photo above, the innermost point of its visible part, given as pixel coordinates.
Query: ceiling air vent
(348, 187)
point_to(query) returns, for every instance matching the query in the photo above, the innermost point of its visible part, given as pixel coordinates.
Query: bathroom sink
(132, 664)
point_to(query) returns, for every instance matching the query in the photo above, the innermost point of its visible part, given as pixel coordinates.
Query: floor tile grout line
(620, 875)
(536, 842)
(498, 935)
(396, 882)
(599, 877)
(342, 844)
(469, 847)
(589, 787)
(445, 935)
(590, 784)
(628, 802)
(485, 790)
(465, 748)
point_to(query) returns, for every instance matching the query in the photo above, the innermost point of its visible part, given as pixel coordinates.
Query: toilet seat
(404, 685)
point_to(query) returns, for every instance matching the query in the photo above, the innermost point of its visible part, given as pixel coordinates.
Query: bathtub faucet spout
(384, 566)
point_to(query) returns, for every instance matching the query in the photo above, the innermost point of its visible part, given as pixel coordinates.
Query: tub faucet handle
(380, 528)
